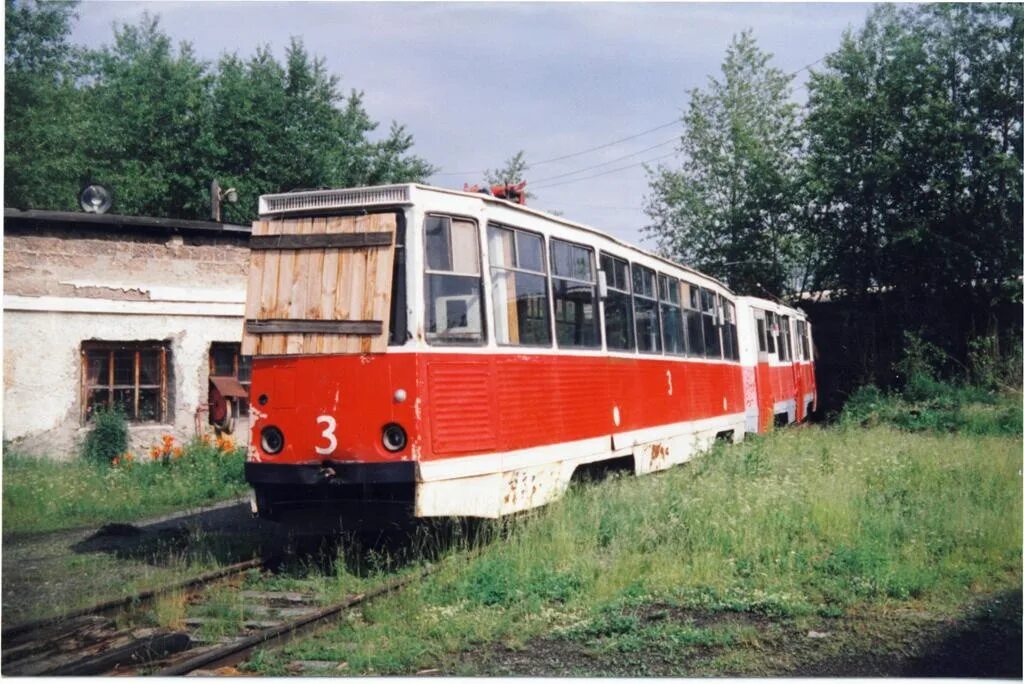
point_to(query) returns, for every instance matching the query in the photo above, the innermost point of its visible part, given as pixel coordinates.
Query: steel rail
(232, 654)
(135, 599)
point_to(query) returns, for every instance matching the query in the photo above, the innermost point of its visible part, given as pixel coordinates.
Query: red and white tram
(446, 353)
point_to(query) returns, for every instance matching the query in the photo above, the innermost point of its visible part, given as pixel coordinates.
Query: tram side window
(785, 348)
(519, 286)
(762, 334)
(453, 284)
(805, 340)
(798, 346)
(574, 286)
(773, 329)
(692, 318)
(671, 315)
(730, 342)
(645, 305)
(618, 309)
(712, 341)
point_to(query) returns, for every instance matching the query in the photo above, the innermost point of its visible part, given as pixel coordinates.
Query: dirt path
(985, 642)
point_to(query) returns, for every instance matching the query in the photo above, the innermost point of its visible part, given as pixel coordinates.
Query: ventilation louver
(320, 200)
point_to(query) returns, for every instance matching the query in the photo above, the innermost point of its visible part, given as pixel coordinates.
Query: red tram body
(444, 353)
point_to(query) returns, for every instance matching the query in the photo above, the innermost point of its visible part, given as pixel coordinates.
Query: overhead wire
(605, 173)
(607, 145)
(574, 154)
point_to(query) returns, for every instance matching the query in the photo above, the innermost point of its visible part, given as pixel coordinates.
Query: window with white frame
(574, 289)
(453, 283)
(519, 286)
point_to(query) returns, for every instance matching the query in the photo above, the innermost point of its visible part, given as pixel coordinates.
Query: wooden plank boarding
(320, 285)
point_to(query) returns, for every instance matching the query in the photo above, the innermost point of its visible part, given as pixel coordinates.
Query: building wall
(64, 286)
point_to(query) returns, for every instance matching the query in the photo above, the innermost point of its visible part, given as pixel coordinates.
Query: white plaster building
(105, 309)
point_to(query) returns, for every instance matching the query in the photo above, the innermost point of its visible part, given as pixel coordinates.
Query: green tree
(730, 208)
(42, 131)
(148, 108)
(157, 124)
(914, 155)
(513, 171)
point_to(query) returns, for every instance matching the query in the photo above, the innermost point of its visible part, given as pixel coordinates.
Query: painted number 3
(328, 434)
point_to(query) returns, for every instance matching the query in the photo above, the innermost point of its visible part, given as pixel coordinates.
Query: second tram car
(426, 351)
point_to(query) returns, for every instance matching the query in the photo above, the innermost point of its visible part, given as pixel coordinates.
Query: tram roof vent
(320, 200)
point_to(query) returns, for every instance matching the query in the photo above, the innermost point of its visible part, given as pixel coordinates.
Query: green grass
(805, 524)
(41, 495)
(927, 404)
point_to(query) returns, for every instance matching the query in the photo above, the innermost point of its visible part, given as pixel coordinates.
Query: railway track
(96, 640)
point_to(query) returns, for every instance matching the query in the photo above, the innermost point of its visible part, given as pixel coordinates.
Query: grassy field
(803, 530)
(41, 495)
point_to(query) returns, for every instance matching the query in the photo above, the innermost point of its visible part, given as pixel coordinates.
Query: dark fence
(861, 339)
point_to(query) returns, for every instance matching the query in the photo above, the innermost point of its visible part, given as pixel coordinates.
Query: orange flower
(205, 438)
(129, 456)
(177, 452)
(154, 452)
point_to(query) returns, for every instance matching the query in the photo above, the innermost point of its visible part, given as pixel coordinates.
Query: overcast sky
(476, 82)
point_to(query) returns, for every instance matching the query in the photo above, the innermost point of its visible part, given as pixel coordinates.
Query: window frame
(629, 301)
(693, 290)
(678, 305)
(427, 272)
(545, 276)
(593, 284)
(165, 409)
(640, 269)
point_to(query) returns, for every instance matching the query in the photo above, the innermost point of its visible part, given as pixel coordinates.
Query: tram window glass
(574, 287)
(645, 305)
(785, 348)
(730, 343)
(519, 287)
(618, 309)
(805, 340)
(692, 319)
(762, 344)
(453, 284)
(773, 329)
(671, 315)
(798, 347)
(712, 341)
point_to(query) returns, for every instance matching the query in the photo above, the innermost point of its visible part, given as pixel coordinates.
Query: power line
(601, 147)
(573, 154)
(605, 173)
(610, 161)
(611, 144)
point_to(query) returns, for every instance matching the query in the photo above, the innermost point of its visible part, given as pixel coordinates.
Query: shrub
(108, 438)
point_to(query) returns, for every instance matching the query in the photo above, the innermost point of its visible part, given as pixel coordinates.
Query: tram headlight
(393, 437)
(272, 439)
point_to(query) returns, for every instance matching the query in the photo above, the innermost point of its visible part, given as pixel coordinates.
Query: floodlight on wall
(95, 199)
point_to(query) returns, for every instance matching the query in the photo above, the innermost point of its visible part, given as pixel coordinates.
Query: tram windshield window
(712, 340)
(671, 315)
(574, 287)
(454, 311)
(519, 287)
(692, 320)
(618, 309)
(645, 305)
